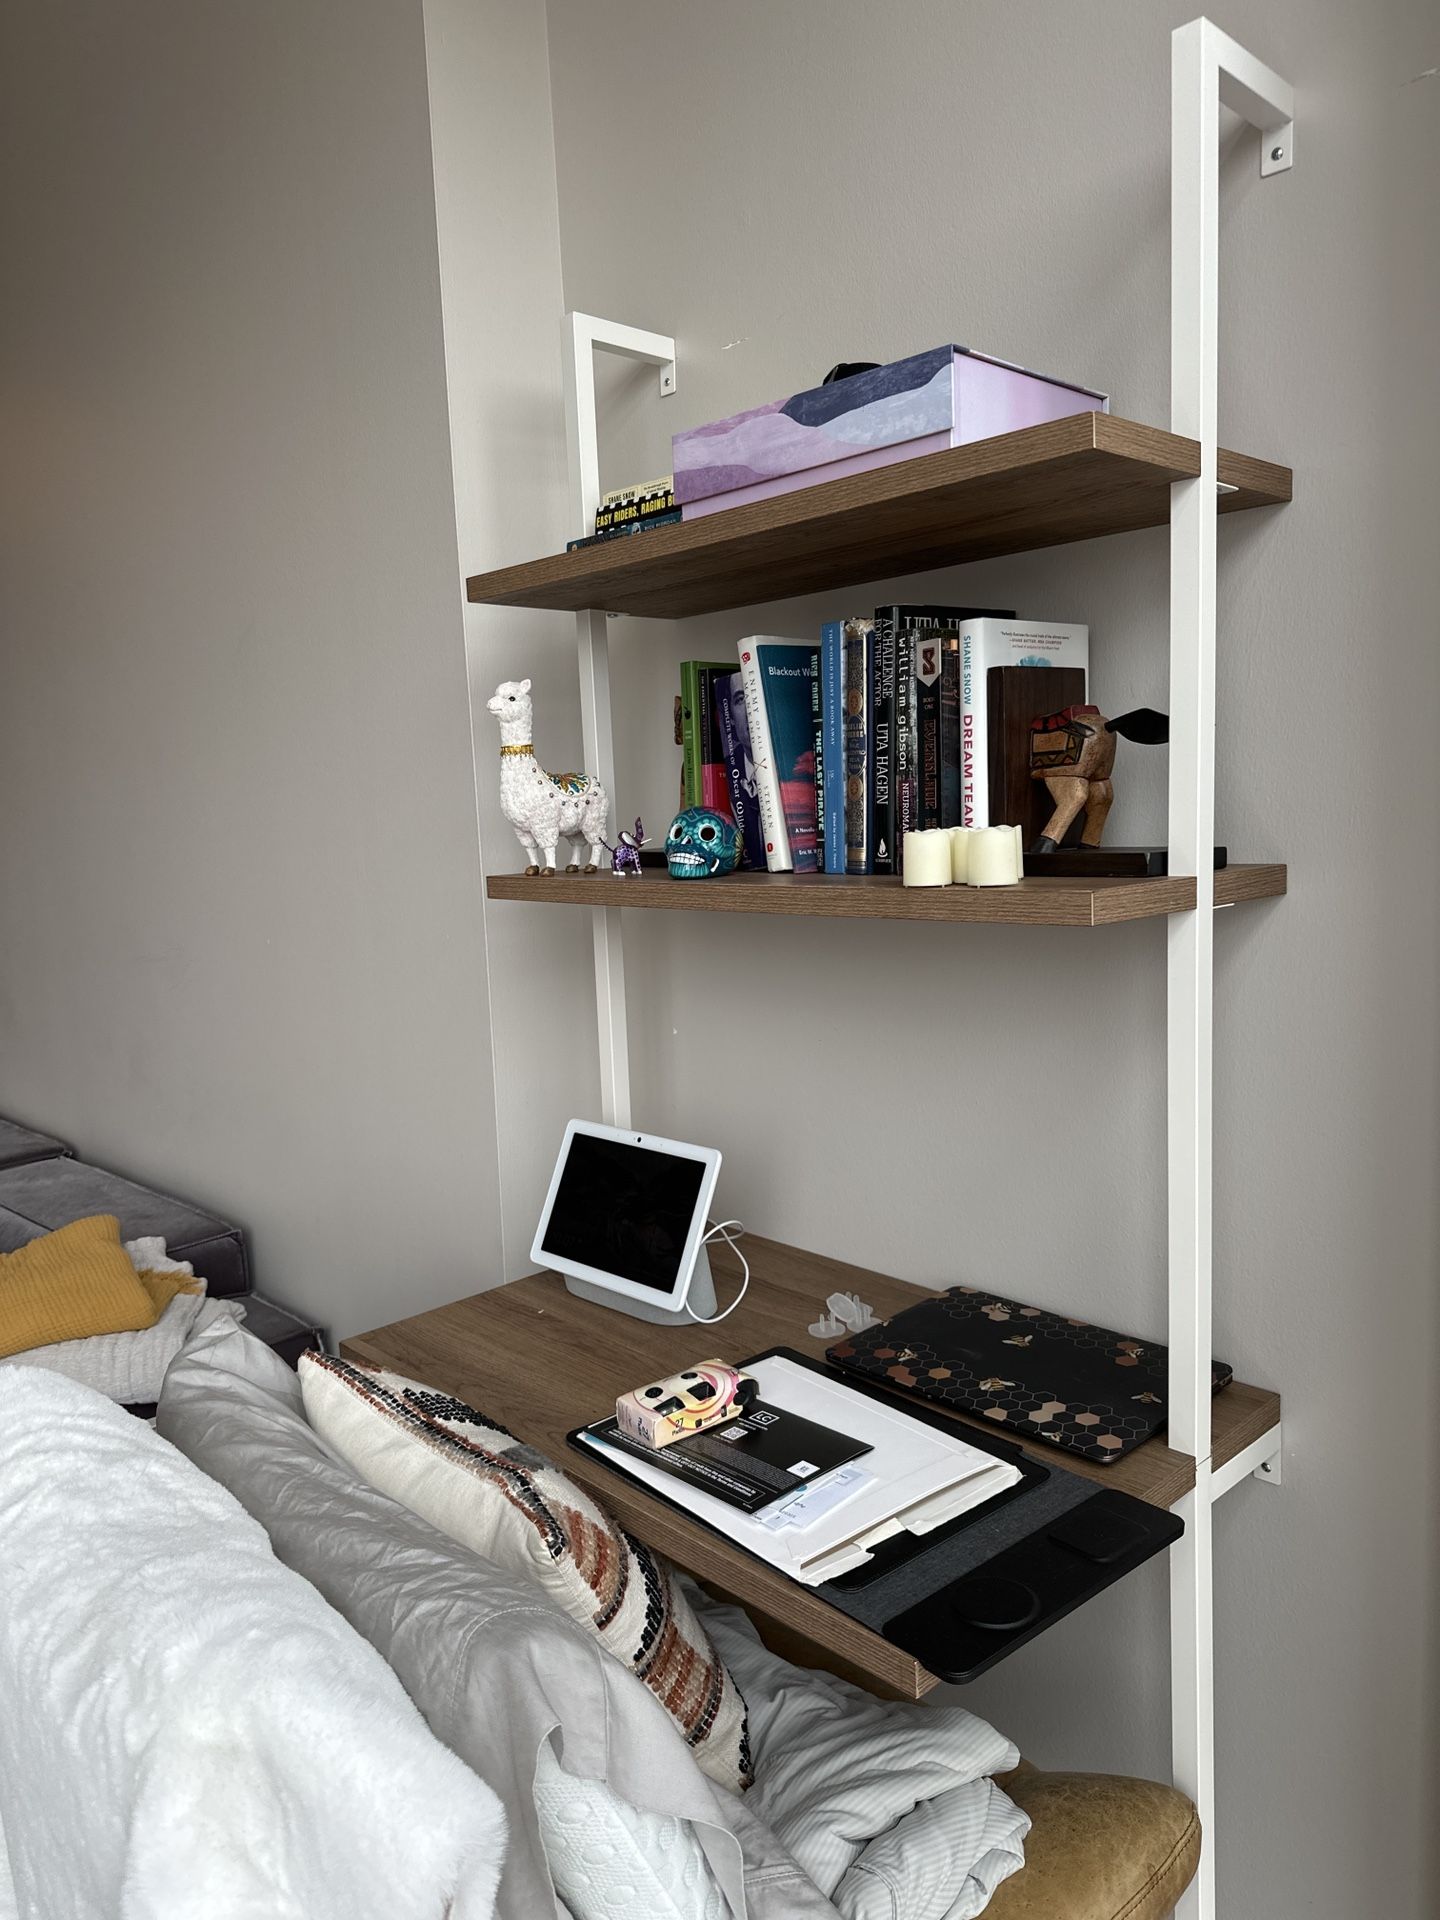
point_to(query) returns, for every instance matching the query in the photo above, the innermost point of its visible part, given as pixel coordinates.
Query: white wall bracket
(1261, 1461)
(1208, 68)
(1259, 96)
(582, 335)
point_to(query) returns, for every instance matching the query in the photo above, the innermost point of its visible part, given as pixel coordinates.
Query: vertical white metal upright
(1208, 68)
(583, 334)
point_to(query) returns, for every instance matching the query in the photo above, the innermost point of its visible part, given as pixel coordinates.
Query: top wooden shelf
(1067, 480)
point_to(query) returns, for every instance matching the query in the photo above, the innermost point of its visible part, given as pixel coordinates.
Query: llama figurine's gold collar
(525, 746)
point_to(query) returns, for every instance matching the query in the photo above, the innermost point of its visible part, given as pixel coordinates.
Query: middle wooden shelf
(1034, 903)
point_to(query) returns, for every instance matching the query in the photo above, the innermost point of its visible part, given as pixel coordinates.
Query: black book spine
(907, 743)
(882, 744)
(949, 721)
(858, 646)
(929, 665)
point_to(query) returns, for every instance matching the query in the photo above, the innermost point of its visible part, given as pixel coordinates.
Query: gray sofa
(43, 1185)
(19, 1145)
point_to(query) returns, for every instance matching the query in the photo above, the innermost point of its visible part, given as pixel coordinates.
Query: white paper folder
(916, 1478)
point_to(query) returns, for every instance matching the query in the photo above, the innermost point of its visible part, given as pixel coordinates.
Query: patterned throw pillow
(480, 1485)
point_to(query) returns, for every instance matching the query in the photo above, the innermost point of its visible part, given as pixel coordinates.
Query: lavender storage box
(942, 398)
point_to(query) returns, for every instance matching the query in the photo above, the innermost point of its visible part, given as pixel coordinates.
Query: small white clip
(852, 1311)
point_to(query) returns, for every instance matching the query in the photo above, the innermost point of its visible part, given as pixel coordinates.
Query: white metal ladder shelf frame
(1208, 69)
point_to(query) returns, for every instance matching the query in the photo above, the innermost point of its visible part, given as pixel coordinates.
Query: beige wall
(242, 949)
(500, 275)
(784, 186)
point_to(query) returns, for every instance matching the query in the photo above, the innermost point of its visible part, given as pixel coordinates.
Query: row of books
(827, 755)
(626, 510)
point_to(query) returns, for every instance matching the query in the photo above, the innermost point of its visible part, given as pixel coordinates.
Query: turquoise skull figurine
(700, 844)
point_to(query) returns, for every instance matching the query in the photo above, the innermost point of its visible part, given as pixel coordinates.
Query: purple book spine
(739, 766)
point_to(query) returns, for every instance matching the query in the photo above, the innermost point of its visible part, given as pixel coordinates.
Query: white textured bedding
(187, 1728)
(610, 1861)
(889, 1807)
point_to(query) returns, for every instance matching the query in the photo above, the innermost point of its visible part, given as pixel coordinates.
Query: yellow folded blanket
(163, 1287)
(73, 1283)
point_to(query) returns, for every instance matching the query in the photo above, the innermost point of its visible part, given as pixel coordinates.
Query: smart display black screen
(624, 1209)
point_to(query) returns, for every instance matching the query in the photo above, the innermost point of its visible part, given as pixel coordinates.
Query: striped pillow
(481, 1486)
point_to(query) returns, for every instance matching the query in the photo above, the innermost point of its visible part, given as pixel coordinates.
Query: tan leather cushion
(1101, 1848)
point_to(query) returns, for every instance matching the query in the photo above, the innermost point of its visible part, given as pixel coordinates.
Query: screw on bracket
(1277, 149)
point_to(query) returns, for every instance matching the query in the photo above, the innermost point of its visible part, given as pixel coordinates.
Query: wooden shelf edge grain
(1035, 903)
(542, 1362)
(1075, 479)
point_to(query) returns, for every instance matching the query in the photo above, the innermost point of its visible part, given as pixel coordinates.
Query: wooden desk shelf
(542, 1362)
(1034, 903)
(1044, 486)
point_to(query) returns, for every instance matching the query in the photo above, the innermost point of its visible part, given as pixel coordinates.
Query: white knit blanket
(186, 1728)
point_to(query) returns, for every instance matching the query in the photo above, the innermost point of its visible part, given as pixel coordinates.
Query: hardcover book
(734, 726)
(629, 505)
(929, 669)
(831, 781)
(880, 745)
(987, 642)
(763, 1455)
(777, 675)
(949, 730)
(897, 694)
(705, 783)
(817, 734)
(857, 646)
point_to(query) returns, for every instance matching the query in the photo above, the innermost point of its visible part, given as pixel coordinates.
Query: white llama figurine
(544, 807)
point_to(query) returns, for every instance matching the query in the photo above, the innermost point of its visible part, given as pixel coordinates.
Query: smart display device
(625, 1222)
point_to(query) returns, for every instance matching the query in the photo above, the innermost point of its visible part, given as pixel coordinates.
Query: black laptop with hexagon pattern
(1035, 1374)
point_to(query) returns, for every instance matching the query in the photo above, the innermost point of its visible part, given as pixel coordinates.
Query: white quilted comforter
(186, 1728)
(889, 1807)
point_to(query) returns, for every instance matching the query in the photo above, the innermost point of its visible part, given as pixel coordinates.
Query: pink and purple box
(942, 398)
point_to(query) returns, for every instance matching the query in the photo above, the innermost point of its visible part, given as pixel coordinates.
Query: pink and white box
(943, 398)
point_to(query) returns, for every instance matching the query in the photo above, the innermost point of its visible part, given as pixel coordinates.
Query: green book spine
(694, 724)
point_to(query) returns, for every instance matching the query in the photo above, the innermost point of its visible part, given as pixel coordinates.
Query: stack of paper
(917, 1478)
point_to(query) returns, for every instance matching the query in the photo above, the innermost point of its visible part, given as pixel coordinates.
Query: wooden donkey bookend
(1073, 752)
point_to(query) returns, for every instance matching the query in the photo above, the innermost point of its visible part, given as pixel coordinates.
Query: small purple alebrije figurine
(626, 857)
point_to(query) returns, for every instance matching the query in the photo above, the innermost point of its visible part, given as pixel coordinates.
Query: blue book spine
(832, 723)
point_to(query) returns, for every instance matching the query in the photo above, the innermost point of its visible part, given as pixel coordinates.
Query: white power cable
(726, 1230)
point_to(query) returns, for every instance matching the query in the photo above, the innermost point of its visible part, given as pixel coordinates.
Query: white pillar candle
(995, 857)
(927, 858)
(960, 839)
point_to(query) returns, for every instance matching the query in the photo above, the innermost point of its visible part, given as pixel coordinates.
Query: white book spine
(972, 672)
(1001, 643)
(762, 752)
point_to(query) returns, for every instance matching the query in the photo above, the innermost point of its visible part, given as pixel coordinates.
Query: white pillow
(477, 1483)
(610, 1861)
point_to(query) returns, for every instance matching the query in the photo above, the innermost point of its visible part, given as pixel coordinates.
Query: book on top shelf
(735, 751)
(991, 641)
(777, 675)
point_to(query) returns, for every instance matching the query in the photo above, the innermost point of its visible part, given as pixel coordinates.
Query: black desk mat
(1003, 1562)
